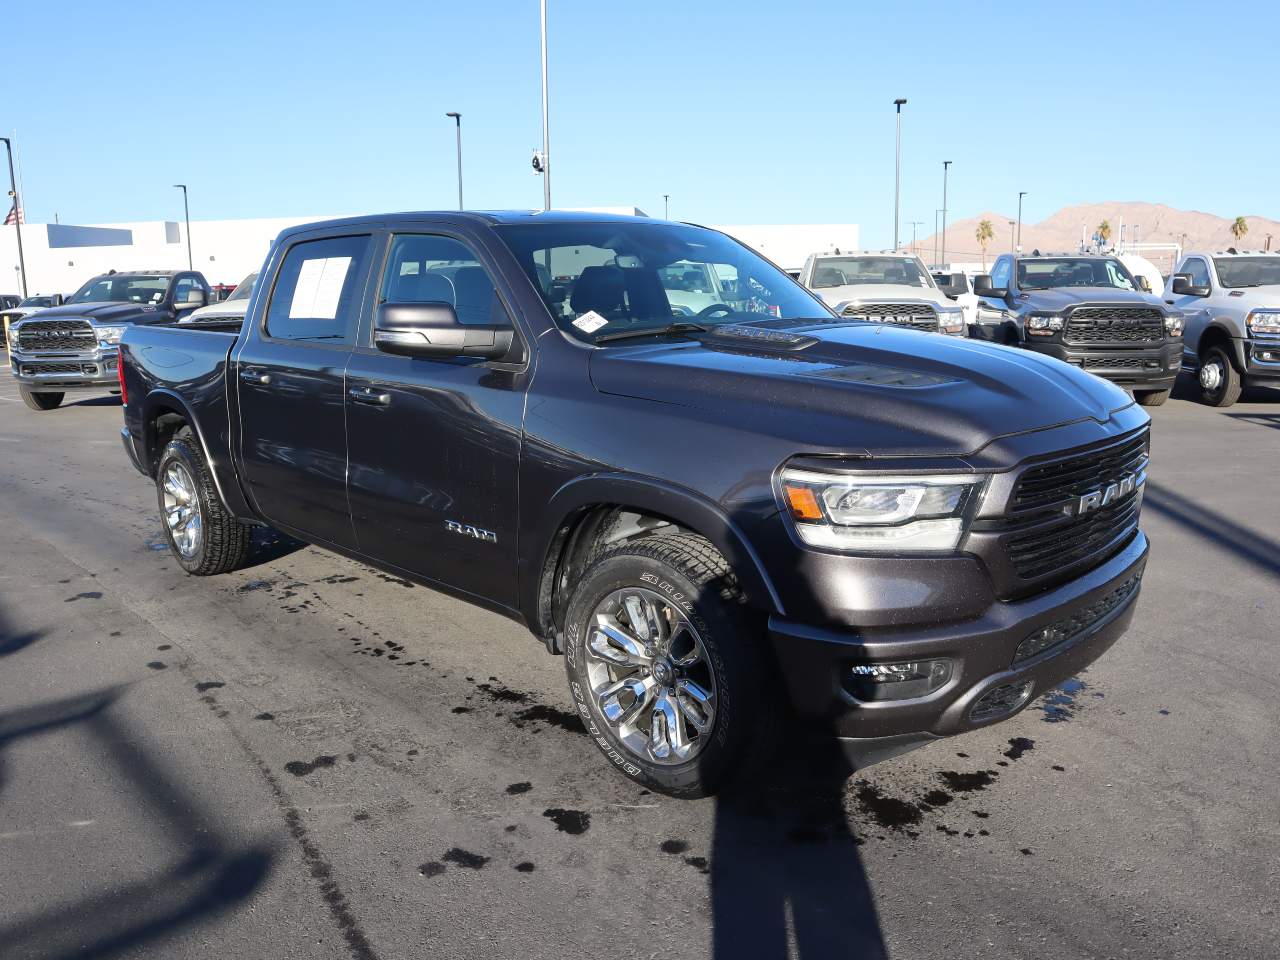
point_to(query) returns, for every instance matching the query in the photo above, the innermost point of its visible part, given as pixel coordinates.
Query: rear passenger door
(435, 443)
(291, 373)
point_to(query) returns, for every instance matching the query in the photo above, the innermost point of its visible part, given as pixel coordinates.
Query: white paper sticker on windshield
(319, 288)
(590, 322)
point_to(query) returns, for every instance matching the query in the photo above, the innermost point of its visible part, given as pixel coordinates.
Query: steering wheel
(714, 308)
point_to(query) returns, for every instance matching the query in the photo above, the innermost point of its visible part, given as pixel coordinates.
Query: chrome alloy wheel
(1211, 375)
(650, 676)
(182, 510)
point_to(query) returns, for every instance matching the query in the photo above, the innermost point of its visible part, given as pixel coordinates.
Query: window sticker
(319, 288)
(590, 322)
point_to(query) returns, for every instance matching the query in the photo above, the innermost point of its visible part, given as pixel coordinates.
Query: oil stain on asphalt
(573, 822)
(300, 768)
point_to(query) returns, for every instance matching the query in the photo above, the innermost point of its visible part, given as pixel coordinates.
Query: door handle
(369, 396)
(255, 376)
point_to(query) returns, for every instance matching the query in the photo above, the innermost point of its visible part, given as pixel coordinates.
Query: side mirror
(195, 299)
(433, 330)
(56, 301)
(983, 288)
(1143, 284)
(1183, 287)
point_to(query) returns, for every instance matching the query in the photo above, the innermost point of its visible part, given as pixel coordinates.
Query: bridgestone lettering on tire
(665, 664)
(223, 542)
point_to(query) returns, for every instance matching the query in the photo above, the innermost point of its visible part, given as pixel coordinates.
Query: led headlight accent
(108, 336)
(951, 320)
(879, 514)
(1264, 323)
(1043, 324)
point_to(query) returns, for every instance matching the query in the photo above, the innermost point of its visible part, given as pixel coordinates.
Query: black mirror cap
(983, 288)
(433, 330)
(1183, 287)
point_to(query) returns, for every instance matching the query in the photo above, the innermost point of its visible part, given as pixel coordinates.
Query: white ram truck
(883, 287)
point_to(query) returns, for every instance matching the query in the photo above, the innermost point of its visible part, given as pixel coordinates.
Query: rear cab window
(317, 290)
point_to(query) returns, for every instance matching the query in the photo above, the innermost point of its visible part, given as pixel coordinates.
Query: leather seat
(422, 288)
(602, 289)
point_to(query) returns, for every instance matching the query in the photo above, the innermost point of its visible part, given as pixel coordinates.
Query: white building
(61, 257)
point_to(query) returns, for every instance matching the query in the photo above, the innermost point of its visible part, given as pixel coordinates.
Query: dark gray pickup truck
(714, 517)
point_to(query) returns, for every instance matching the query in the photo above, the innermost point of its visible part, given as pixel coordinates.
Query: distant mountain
(1143, 222)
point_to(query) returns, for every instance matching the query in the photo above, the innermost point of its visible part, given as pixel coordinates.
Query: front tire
(1152, 398)
(42, 400)
(203, 537)
(665, 664)
(1220, 384)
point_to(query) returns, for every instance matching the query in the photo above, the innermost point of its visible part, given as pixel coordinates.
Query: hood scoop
(882, 375)
(741, 334)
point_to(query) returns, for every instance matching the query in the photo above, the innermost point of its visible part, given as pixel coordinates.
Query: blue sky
(743, 111)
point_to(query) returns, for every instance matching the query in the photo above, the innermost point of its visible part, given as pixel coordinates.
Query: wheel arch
(164, 413)
(1218, 334)
(603, 509)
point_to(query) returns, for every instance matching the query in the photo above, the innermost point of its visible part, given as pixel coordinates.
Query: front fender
(647, 495)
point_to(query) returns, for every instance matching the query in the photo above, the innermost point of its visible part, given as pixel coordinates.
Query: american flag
(15, 215)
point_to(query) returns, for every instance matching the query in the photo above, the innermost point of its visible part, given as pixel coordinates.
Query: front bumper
(1152, 368)
(1262, 358)
(90, 370)
(816, 662)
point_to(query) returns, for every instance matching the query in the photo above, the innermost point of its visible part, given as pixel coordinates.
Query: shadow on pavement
(1271, 420)
(110, 400)
(786, 877)
(208, 878)
(1215, 527)
(267, 545)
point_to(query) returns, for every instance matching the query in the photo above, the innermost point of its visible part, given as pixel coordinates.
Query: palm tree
(984, 235)
(1239, 228)
(1104, 232)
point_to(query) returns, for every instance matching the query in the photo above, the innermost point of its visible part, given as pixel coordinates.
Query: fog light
(899, 681)
(1002, 700)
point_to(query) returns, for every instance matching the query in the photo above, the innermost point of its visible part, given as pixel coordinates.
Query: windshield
(1051, 273)
(122, 288)
(599, 279)
(1237, 272)
(37, 302)
(846, 271)
(245, 288)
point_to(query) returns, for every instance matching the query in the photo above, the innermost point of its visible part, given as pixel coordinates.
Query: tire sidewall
(720, 633)
(181, 450)
(1219, 397)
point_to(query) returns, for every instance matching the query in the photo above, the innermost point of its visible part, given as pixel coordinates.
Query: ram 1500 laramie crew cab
(1088, 310)
(74, 346)
(1231, 304)
(885, 287)
(902, 534)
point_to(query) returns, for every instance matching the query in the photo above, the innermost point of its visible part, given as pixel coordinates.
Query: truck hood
(95, 312)
(859, 389)
(880, 293)
(218, 311)
(1064, 298)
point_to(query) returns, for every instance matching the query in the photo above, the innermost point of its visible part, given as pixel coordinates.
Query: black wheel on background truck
(1220, 383)
(1152, 398)
(42, 400)
(203, 537)
(666, 666)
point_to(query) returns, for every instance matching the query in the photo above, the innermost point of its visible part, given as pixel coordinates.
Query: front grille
(1120, 363)
(1114, 325)
(56, 335)
(35, 369)
(1065, 545)
(918, 316)
(1051, 484)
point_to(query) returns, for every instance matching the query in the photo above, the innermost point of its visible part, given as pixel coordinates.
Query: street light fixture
(1021, 194)
(17, 216)
(946, 164)
(186, 212)
(897, 167)
(457, 117)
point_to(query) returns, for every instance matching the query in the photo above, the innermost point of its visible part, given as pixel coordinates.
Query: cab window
(424, 268)
(1198, 271)
(1001, 273)
(316, 292)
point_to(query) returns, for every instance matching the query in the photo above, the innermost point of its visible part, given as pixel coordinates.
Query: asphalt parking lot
(309, 758)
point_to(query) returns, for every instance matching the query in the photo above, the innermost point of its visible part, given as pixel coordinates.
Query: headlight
(1043, 324)
(879, 514)
(951, 320)
(109, 335)
(1173, 325)
(1264, 323)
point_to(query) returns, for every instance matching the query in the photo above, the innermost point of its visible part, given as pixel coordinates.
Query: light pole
(457, 119)
(946, 164)
(17, 216)
(914, 224)
(546, 125)
(666, 207)
(935, 236)
(897, 167)
(1012, 224)
(1021, 194)
(186, 212)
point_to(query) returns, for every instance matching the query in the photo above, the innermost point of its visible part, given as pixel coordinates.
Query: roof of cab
(485, 217)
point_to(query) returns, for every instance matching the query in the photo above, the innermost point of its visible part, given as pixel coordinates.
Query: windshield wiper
(680, 326)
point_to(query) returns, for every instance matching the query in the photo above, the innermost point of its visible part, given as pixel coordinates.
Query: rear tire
(697, 638)
(42, 400)
(1220, 384)
(1152, 398)
(203, 537)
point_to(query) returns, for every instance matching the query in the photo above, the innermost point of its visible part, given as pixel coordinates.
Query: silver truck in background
(886, 287)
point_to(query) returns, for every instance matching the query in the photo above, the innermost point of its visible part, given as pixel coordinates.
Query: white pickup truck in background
(883, 287)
